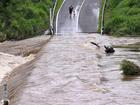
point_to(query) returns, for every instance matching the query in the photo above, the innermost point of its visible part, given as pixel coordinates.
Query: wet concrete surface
(65, 23)
(89, 15)
(72, 71)
(84, 20)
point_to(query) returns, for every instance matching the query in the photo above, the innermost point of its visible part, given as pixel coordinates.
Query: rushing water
(121, 90)
(72, 71)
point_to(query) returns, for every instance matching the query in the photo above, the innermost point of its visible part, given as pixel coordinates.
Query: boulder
(109, 49)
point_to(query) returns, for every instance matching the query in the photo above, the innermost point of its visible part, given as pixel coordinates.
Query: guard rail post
(53, 15)
(51, 26)
(5, 100)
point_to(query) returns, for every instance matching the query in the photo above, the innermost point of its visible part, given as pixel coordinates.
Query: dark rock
(6, 103)
(109, 49)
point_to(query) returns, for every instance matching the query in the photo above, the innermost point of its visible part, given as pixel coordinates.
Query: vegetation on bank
(122, 17)
(21, 19)
(130, 68)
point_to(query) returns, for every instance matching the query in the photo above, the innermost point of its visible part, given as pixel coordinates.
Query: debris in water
(95, 44)
(109, 49)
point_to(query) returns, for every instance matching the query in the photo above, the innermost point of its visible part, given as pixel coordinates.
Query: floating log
(95, 44)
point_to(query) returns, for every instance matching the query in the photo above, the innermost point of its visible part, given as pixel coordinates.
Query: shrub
(2, 37)
(129, 68)
(122, 18)
(21, 19)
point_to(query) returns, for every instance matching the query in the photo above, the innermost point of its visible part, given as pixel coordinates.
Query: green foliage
(58, 6)
(129, 68)
(122, 18)
(4, 3)
(24, 18)
(2, 37)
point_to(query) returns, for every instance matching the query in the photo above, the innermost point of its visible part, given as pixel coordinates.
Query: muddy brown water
(122, 90)
(71, 71)
(25, 47)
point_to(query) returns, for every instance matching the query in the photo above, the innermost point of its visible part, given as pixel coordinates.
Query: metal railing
(102, 21)
(52, 15)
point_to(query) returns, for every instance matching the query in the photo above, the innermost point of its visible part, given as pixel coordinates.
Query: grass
(122, 18)
(129, 68)
(21, 19)
(2, 37)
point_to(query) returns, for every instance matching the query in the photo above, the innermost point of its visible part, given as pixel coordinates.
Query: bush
(21, 19)
(2, 37)
(129, 68)
(122, 18)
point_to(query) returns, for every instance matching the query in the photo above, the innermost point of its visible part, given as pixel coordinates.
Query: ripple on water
(121, 87)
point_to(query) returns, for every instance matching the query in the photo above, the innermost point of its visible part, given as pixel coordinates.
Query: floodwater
(121, 90)
(17, 53)
(8, 62)
(72, 71)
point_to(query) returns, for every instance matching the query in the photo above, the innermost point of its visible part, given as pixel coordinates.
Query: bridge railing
(53, 14)
(102, 19)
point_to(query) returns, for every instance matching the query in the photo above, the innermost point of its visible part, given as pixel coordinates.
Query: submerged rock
(109, 49)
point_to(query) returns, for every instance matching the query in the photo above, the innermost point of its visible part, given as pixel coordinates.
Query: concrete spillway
(84, 20)
(72, 71)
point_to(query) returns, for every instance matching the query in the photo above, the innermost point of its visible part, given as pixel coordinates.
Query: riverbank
(16, 53)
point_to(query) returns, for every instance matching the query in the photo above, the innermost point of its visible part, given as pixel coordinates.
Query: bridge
(67, 70)
(85, 19)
